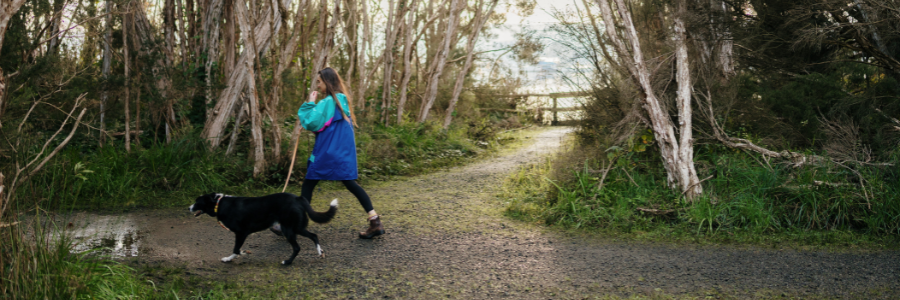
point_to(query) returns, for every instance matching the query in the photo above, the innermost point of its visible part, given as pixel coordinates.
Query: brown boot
(375, 228)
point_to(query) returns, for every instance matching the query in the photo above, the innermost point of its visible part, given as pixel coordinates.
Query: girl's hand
(312, 96)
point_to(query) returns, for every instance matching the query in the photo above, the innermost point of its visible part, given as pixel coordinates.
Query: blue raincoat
(334, 154)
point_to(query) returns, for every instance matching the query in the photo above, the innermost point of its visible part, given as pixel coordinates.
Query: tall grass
(743, 194)
(412, 148)
(164, 175)
(158, 176)
(37, 262)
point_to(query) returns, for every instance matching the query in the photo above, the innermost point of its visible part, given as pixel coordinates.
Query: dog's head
(204, 204)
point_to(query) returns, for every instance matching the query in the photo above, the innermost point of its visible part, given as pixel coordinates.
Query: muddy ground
(447, 238)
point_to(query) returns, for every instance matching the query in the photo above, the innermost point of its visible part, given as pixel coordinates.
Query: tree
(440, 60)
(478, 22)
(677, 154)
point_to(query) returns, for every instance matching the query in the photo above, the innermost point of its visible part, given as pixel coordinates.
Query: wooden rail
(555, 109)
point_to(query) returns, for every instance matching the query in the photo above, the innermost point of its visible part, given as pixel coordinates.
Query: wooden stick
(293, 157)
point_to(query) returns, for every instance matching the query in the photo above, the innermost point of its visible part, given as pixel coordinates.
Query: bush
(158, 176)
(743, 194)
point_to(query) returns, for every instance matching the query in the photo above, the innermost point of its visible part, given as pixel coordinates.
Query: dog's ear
(209, 198)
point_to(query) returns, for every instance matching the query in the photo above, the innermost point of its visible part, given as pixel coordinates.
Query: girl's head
(331, 84)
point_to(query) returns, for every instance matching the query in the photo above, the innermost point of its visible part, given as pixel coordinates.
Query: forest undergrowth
(748, 200)
(41, 264)
(160, 175)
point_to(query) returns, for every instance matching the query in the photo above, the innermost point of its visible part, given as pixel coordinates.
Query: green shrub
(743, 194)
(158, 176)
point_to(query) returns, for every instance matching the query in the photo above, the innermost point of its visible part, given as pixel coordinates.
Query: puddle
(117, 236)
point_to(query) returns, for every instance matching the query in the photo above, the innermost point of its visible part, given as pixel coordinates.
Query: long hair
(333, 85)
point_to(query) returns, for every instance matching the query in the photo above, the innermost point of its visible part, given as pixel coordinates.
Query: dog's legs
(239, 239)
(291, 237)
(315, 239)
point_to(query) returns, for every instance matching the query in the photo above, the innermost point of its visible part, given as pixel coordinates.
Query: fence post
(555, 117)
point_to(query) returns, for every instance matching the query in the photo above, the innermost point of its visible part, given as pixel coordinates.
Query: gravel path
(447, 237)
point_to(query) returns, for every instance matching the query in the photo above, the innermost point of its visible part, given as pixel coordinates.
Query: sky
(544, 76)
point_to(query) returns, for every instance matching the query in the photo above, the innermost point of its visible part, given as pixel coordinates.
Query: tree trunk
(407, 60)
(191, 30)
(230, 39)
(259, 154)
(125, 23)
(107, 57)
(237, 80)
(350, 33)
(326, 40)
(237, 128)
(680, 171)
(288, 52)
(137, 113)
(690, 183)
(169, 32)
(210, 45)
(7, 10)
(366, 40)
(259, 158)
(440, 60)
(725, 42)
(183, 43)
(54, 27)
(478, 22)
(144, 40)
(388, 63)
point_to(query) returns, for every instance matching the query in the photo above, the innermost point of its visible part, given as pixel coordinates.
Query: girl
(334, 154)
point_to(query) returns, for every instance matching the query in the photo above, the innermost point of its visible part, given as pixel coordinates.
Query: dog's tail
(319, 217)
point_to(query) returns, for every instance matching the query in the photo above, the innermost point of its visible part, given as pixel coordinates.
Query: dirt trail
(447, 237)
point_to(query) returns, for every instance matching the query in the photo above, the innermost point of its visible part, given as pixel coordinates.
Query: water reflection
(109, 235)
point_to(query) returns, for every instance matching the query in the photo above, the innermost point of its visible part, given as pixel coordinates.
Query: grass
(37, 266)
(745, 202)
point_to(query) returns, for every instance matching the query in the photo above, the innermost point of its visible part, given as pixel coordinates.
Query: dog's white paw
(334, 202)
(229, 258)
(284, 263)
(319, 248)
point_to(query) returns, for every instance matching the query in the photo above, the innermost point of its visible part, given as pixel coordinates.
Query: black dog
(246, 215)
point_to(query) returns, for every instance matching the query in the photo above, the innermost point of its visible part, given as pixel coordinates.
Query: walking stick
(299, 130)
(293, 157)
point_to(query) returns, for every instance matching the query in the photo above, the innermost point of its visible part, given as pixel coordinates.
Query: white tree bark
(481, 18)
(182, 35)
(7, 10)
(441, 60)
(107, 58)
(725, 58)
(388, 68)
(127, 82)
(237, 81)
(365, 40)
(407, 60)
(688, 179)
(54, 30)
(210, 44)
(259, 158)
(680, 171)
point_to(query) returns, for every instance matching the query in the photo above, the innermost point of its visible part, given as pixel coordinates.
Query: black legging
(309, 185)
